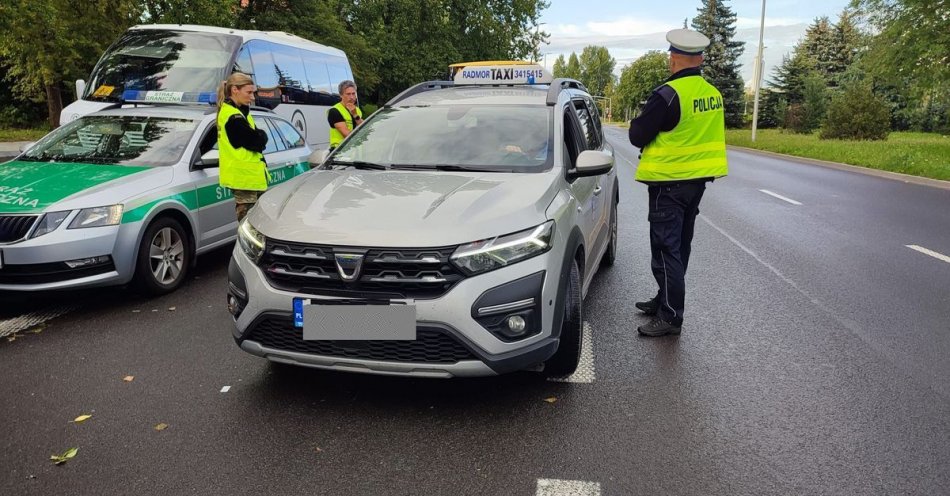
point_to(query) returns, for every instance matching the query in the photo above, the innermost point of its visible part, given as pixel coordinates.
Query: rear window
(120, 140)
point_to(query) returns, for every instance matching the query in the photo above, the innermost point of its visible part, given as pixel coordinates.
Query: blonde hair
(235, 80)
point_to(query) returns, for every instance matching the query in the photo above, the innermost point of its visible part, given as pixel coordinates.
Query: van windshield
(162, 60)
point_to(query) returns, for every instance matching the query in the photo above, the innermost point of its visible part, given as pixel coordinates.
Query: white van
(296, 78)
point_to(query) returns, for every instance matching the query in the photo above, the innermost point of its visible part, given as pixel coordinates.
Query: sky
(631, 28)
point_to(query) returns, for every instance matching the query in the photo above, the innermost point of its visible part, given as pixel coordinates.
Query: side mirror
(317, 157)
(25, 147)
(592, 163)
(80, 88)
(208, 161)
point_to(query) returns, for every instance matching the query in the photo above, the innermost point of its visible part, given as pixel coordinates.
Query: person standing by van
(345, 115)
(240, 144)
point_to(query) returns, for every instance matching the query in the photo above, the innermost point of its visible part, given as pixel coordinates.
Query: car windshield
(161, 60)
(498, 138)
(119, 140)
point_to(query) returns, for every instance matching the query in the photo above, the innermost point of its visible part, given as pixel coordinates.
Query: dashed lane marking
(780, 197)
(30, 320)
(585, 369)
(558, 487)
(921, 249)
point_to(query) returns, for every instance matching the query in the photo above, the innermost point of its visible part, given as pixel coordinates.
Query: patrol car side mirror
(317, 157)
(208, 161)
(25, 147)
(592, 163)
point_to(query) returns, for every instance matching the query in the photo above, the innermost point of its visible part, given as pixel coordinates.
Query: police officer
(241, 145)
(682, 136)
(345, 115)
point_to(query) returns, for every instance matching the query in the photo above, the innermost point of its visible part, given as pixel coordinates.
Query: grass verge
(31, 134)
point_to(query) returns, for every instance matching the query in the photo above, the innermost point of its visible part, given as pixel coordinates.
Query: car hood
(32, 187)
(402, 208)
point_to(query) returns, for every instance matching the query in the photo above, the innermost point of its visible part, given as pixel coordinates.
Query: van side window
(591, 136)
(243, 62)
(265, 75)
(572, 142)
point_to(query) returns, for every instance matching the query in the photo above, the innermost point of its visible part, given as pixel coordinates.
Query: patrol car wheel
(164, 257)
(610, 256)
(568, 354)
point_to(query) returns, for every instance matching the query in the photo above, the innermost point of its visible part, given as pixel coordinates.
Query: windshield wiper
(451, 168)
(359, 164)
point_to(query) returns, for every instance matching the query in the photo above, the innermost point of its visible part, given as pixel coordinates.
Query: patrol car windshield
(162, 60)
(495, 138)
(118, 140)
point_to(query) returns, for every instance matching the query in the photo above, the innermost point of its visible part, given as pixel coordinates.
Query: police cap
(687, 41)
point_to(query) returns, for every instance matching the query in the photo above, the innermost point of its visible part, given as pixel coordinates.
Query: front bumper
(39, 264)
(450, 315)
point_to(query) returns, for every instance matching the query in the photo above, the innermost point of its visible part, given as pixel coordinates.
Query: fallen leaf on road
(552, 399)
(319, 450)
(171, 309)
(11, 338)
(65, 457)
(161, 427)
(128, 378)
(136, 311)
(82, 418)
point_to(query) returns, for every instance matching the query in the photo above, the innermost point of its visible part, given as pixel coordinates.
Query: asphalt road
(814, 360)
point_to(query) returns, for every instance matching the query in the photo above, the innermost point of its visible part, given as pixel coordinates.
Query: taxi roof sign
(500, 72)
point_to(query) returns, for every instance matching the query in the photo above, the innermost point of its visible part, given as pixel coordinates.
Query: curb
(894, 176)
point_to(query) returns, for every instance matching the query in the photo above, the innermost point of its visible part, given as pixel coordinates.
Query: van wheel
(610, 256)
(164, 257)
(568, 354)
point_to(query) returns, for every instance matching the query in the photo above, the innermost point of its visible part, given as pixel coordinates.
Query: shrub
(856, 113)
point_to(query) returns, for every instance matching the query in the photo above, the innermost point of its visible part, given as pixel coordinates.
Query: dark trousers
(673, 211)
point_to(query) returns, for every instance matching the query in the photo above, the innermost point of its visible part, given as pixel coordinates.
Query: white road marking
(30, 320)
(557, 487)
(780, 197)
(921, 249)
(225, 389)
(585, 369)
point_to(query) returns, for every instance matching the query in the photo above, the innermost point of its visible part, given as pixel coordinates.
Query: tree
(639, 78)
(789, 76)
(856, 113)
(48, 42)
(721, 67)
(560, 67)
(819, 45)
(597, 69)
(204, 12)
(573, 69)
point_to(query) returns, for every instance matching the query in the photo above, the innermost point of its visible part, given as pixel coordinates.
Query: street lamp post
(758, 74)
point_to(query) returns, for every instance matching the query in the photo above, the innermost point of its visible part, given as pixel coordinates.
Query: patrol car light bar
(137, 96)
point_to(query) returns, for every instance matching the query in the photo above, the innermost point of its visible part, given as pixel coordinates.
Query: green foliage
(772, 107)
(559, 69)
(856, 113)
(816, 102)
(203, 12)
(573, 68)
(639, 78)
(721, 65)
(597, 69)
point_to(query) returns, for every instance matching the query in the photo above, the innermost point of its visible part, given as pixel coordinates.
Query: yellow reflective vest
(238, 168)
(696, 147)
(336, 137)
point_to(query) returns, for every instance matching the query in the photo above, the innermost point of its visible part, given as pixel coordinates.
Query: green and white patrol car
(128, 194)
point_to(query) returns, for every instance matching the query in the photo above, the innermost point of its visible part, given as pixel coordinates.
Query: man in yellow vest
(681, 132)
(345, 115)
(241, 145)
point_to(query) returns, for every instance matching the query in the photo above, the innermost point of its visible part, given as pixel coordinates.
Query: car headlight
(97, 217)
(49, 222)
(490, 254)
(251, 241)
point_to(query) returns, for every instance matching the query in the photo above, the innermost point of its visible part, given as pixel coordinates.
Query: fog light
(516, 324)
(85, 262)
(234, 307)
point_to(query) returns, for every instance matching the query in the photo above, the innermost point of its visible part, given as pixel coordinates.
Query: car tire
(610, 255)
(568, 354)
(164, 257)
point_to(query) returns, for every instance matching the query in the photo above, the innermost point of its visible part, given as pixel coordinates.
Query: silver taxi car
(129, 194)
(454, 233)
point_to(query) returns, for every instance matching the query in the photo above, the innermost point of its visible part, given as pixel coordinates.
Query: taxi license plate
(340, 320)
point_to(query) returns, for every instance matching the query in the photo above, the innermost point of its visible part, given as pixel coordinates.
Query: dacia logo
(348, 265)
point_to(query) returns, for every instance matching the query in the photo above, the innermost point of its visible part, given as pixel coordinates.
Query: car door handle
(597, 190)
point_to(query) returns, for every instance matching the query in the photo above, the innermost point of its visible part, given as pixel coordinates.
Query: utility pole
(758, 74)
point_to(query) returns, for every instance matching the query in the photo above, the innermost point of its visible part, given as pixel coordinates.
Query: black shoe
(659, 327)
(648, 307)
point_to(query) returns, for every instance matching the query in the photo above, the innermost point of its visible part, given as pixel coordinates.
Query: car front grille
(14, 227)
(432, 345)
(417, 273)
(49, 272)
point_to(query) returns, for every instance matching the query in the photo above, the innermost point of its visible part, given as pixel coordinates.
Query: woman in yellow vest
(345, 115)
(681, 133)
(240, 144)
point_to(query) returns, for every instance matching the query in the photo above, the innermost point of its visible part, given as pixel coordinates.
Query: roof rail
(561, 84)
(419, 88)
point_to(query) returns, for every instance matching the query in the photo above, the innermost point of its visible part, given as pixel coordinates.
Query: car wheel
(164, 257)
(610, 256)
(568, 354)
